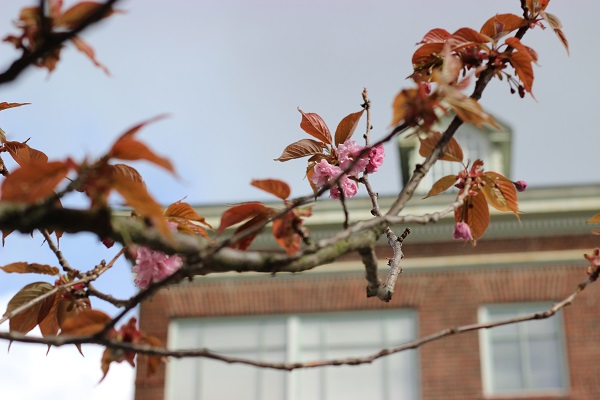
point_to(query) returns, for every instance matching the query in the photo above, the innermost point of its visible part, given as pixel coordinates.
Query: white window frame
(520, 309)
(293, 344)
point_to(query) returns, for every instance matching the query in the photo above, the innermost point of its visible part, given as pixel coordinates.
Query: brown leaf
(86, 322)
(4, 105)
(301, 148)
(241, 212)
(452, 152)
(436, 35)
(502, 24)
(427, 53)
(563, 39)
(152, 362)
(136, 195)
(401, 105)
(276, 187)
(314, 125)
(255, 221)
(23, 154)
(500, 192)
(131, 149)
(442, 185)
(123, 171)
(34, 181)
(475, 213)
(285, 235)
(49, 325)
(28, 319)
(68, 308)
(24, 268)
(346, 127)
(75, 15)
(469, 110)
(465, 37)
(594, 220)
(184, 210)
(89, 52)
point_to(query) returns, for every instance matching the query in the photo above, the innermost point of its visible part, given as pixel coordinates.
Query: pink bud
(520, 185)
(462, 231)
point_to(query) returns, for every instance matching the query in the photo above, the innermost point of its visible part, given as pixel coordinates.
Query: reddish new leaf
(301, 148)
(86, 322)
(469, 110)
(467, 37)
(594, 220)
(427, 53)
(436, 35)
(4, 105)
(285, 235)
(125, 172)
(23, 154)
(75, 15)
(442, 185)
(184, 210)
(25, 321)
(346, 127)
(26, 268)
(452, 152)
(274, 186)
(49, 325)
(241, 212)
(187, 219)
(500, 192)
(89, 52)
(475, 213)
(34, 181)
(131, 149)
(314, 125)
(136, 195)
(502, 24)
(255, 221)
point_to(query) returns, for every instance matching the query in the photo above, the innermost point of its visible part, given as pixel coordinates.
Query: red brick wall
(450, 368)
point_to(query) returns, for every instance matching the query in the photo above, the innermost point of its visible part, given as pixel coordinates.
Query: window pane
(544, 360)
(523, 357)
(506, 367)
(305, 337)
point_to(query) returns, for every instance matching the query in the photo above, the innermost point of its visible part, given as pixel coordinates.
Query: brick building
(516, 268)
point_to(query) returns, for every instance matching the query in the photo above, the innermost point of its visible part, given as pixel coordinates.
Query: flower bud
(520, 185)
(462, 231)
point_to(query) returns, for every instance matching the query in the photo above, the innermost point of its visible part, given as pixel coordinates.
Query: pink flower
(347, 153)
(376, 156)
(153, 266)
(462, 231)
(520, 185)
(348, 186)
(324, 172)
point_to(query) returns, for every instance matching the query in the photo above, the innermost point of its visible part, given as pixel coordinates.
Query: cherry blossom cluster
(154, 266)
(349, 159)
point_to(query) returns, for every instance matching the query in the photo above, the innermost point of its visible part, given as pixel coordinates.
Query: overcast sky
(232, 73)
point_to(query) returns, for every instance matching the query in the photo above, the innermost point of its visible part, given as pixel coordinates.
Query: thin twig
(59, 255)
(52, 42)
(155, 351)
